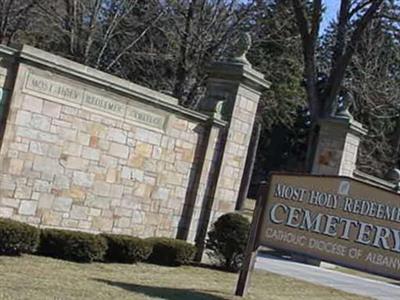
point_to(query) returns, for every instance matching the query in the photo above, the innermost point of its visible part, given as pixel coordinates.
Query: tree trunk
(312, 142)
(181, 72)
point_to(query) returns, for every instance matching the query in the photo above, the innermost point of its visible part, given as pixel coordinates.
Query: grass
(35, 277)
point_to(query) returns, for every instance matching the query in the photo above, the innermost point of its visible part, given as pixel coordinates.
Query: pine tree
(276, 52)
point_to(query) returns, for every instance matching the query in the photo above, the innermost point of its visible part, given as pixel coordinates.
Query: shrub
(126, 249)
(17, 238)
(227, 241)
(171, 252)
(72, 245)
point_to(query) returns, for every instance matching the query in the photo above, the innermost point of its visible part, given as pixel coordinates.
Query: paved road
(337, 280)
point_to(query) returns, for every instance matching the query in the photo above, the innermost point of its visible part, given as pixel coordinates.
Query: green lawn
(34, 277)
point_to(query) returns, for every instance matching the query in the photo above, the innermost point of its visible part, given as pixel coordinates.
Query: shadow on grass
(162, 292)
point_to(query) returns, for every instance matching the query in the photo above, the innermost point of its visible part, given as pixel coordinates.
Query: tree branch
(123, 51)
(308, 43)
(338, 72)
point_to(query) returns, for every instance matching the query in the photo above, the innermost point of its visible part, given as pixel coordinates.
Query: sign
(105, 104)
(145, 117)
(51, 87)
(330, 218)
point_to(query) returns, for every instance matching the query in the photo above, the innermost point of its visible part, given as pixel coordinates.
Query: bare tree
(353, 19)
(89, 28)
(163, 44)
(14, 16)
(202, 31)
(374, 79)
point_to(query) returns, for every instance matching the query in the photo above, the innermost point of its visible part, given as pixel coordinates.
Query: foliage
(126, 249)
(374, 81)
(275, 53)
(15, 18)
(325, 90)
(72, 245)
(164, 45)
(17, 238)
(171, 252)
(227, 240)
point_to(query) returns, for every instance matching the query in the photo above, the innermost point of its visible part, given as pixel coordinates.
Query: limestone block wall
(84, 150)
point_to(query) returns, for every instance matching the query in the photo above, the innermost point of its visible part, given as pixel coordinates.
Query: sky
(332, 7)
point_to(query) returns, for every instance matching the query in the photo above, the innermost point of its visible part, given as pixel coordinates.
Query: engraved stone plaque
(43, 86)
(53, 88)
(104, 104)
(145, 117)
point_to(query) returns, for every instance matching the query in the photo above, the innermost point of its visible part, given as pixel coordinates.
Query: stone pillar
(338, 143)
(233, 94)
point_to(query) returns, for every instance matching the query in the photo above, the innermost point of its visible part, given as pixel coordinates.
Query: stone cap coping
(239, 72)
(351, 124)
(376, 181)
(31, 55)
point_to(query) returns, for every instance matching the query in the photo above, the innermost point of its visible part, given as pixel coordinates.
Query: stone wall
(78, 155)
(84, 150)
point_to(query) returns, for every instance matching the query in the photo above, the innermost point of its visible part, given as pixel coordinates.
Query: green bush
(72, 245)
(171, 252)
(126, 249)
(17, 238)
(227, 241)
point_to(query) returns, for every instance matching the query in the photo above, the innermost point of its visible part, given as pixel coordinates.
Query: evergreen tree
(276, 52)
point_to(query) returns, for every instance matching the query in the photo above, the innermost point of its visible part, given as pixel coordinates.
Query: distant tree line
(167, 44)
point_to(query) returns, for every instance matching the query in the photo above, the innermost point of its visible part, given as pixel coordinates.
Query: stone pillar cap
(350, 124)
(234, 71)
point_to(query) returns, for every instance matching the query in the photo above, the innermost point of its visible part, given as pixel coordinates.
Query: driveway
(337, 280)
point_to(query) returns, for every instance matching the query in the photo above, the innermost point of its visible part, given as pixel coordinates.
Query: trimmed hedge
(72, 245)
(17, 238)
(126, 249)
(227, 240)
(171, 252)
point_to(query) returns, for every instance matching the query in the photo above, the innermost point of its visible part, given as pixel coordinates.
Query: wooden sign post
(252, 247)
(335, 219)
